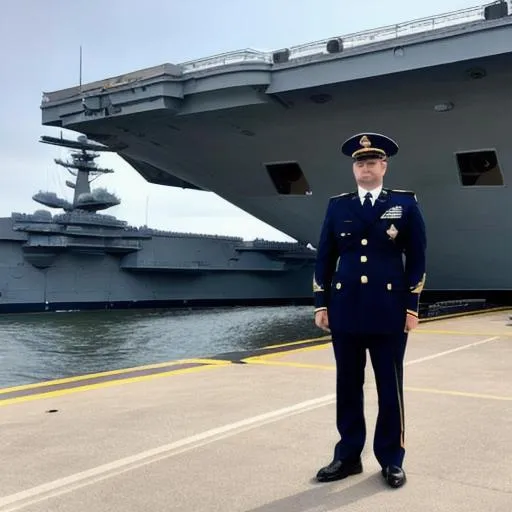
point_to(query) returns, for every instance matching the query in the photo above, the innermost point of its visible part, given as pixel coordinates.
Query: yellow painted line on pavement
(262, 361)
(407, 388)
(290, 343)
(219, 362)
(99, 385)
(265, 357)
(462, 333)
(269, 359)
(78, 378)
(457, 393)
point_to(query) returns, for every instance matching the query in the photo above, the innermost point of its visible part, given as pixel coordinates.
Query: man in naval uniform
(370, 271)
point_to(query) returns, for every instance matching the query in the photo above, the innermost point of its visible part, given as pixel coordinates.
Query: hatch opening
(479, 168)
(288, 178)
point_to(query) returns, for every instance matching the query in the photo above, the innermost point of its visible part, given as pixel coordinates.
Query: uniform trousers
(387, 354)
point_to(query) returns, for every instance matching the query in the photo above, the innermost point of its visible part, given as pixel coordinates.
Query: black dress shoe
(339, 469)
(394, 476)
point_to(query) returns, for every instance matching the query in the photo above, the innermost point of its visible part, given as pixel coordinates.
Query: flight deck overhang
(248, 77)
(155, 89)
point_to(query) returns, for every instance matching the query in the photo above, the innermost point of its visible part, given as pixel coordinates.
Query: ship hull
(85, 281)
(224, 130)
(66, 307)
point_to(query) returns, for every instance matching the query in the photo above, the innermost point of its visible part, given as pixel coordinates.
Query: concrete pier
(248, 432)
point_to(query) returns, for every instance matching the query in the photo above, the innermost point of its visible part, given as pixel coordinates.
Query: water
(40, 347)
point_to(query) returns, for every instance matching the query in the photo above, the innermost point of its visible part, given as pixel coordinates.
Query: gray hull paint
(178, 126)
(167, 271)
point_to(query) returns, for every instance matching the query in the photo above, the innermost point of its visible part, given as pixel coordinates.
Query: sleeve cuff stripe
(412, 312)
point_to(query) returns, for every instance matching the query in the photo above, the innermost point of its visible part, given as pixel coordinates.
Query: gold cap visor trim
(368, 150)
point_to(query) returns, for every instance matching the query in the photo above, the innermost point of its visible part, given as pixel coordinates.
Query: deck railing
(248, 56)
(418, 26)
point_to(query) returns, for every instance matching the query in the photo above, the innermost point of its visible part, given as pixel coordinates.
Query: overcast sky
(39, 51)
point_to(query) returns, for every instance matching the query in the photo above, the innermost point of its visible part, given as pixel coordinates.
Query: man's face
(369, 173)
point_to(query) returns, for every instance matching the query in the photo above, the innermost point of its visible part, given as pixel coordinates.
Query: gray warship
(81, 259)
(440, 86)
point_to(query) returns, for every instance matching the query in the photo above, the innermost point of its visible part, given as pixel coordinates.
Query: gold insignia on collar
(365, 141)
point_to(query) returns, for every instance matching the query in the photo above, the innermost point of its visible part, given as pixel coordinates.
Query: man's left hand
(411, 322)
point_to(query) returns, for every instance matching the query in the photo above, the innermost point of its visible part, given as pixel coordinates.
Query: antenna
(80, 79)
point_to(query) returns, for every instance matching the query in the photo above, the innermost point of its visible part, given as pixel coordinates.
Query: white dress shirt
(375, 193)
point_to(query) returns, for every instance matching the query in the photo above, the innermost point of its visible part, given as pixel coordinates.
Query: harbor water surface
(39, 347)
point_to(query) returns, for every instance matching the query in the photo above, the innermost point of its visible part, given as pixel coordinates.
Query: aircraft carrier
(80, 259)
(263, 130)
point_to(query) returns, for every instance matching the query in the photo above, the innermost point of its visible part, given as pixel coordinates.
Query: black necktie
(367, 203)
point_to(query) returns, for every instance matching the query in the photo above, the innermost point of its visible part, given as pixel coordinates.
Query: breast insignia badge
(392, 232)
(395, 212)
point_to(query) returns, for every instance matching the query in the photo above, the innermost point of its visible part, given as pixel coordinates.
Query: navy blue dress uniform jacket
(370, 267)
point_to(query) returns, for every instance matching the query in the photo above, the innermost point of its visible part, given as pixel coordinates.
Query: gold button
(364, 241)
(364, 259)
(390, 286)
(338, 286)
(364, 279)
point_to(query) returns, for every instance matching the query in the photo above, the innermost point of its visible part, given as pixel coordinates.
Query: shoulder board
(405, 192)
(410, 192)
(345, 194)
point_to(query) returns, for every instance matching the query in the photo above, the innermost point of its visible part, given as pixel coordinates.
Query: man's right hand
(322, 320)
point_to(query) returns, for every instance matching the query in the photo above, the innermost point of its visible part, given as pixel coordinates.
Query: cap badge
(365, 142)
